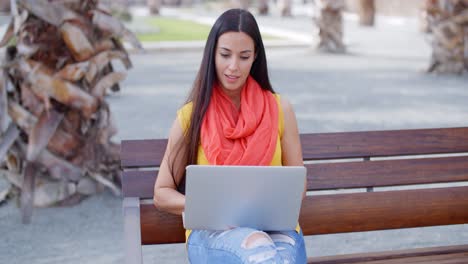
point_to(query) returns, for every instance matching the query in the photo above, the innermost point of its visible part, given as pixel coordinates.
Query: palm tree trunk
(243, 4)
(448, 23)
(4, 6)
(285, 7)
(263, 7)
(366, 12)
(329, 21)
(154, 6)
(57, 147)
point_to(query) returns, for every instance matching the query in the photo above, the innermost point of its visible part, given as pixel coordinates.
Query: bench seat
(367, 163)
(433, 255)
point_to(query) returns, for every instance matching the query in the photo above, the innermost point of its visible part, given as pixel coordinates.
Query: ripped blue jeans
(246, 245)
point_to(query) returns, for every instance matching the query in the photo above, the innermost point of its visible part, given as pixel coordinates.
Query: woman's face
(235, 54)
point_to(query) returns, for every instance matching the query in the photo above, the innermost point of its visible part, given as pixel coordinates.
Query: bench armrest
(132, 232)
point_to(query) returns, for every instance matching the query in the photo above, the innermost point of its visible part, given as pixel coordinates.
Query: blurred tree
(243, 4)
(366, 12)
(423, 17)
(447, 20)
(154, 6)
(329, 21)
(56, 147)
(263, 7)
(285, 7)
(5, 6)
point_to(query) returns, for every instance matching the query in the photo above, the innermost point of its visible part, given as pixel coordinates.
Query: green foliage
(123, 15)
(172, 29)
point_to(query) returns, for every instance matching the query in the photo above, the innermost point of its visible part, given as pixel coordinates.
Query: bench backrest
(326, 170)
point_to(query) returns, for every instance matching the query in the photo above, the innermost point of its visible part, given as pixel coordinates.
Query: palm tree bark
(366, 12)
(329, 22)
(4, 6)
(57, 148)
(243, 4)
(285, 7)
(263, 7)
(154, 6)
(447, 21)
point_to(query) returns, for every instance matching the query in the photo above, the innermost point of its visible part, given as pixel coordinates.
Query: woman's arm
(166, 197)
(290, 142)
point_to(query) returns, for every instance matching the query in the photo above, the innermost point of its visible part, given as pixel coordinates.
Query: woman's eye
(245, 58)
(224, 55)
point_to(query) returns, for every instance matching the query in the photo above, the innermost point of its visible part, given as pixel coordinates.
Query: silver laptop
(262, 197)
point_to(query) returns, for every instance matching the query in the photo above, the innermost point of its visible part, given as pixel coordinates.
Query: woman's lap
(245, 245)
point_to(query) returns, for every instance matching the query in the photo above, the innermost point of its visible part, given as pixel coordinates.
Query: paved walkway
(379, 84)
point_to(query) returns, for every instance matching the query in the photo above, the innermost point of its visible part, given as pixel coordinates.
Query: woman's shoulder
(184, 114)
(187, 107)
(285, 104)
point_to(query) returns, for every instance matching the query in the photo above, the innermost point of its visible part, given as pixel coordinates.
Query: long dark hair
(233, 20)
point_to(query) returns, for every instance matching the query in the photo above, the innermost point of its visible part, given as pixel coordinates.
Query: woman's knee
(290, 246)
(250, 245)
(260, 248)
(256, 239)
(283, 237)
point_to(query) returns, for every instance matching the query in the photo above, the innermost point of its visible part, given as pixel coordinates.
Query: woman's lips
(231, 78)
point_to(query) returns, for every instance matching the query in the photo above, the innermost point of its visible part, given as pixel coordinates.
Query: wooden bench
(427, 205)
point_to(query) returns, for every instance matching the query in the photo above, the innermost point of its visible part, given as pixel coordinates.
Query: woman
(232, 117)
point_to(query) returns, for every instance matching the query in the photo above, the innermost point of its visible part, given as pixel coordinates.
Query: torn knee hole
(256, 239)
(282, 238)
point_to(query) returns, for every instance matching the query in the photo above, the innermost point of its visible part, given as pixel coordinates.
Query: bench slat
(458, 258)
(149, 153)
(142, 152)
(344, 174)
(399, 255)
(139, 183)
(340, 213)
(384, 143)
(383, 173)
(328, 214)
(159, 227)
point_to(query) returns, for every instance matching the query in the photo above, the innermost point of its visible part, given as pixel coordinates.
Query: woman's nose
(234, 64)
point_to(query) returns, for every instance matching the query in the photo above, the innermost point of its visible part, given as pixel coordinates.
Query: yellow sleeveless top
(184, 115)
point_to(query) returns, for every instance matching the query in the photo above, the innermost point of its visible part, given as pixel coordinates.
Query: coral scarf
(247, 136)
